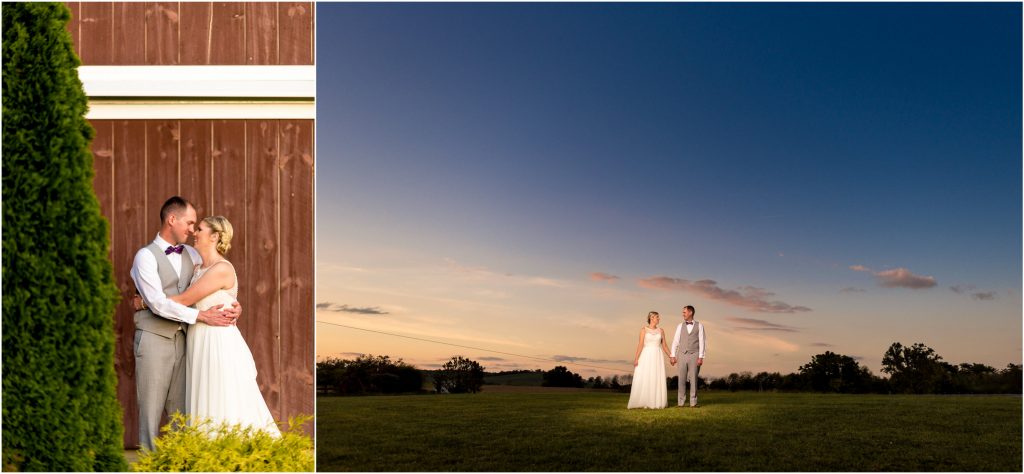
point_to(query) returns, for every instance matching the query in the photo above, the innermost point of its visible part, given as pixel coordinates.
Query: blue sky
(534, 178)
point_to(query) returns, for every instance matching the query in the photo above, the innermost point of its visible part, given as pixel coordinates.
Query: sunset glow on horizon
(521, 183)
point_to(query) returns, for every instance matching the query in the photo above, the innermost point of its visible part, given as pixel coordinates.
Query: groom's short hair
(175, 205)
(690, 308)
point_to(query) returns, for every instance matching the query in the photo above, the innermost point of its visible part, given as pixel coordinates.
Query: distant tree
(767, 382)
(367, 374)
(459, 375)
(673, 382)
(615, 383)
(599, 383)
(561, 377)
(916, 369)
(831, 372)
(1010, 379)
(793, 382)
(981, 378)
(716, 383)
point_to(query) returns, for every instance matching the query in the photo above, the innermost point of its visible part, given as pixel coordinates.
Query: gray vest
(690, 342)
(172, 285)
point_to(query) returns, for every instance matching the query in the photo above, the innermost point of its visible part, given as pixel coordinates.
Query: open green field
(569, 430)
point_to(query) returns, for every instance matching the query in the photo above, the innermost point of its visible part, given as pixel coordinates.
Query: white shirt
(701, 337)
(147, 281)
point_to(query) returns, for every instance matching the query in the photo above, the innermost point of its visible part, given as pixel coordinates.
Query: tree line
(916, 369)
(911, 369)
(369, 374)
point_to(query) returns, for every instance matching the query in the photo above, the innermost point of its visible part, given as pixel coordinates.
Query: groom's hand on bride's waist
(235, 311)
(215, 316)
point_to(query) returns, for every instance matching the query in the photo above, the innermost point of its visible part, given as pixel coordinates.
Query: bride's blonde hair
(652, 313)
(221, 226)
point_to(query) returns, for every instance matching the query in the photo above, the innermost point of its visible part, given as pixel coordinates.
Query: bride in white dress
(220, 380)
(649, 389)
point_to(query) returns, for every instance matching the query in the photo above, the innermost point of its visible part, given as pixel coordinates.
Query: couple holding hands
(649, 389)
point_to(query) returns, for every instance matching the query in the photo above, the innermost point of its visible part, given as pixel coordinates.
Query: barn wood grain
(295, 30)
(297, 188)
(196, 164)
(136, 227)
(261, 33)
(264, 257)
(162, 33)
(129, 34)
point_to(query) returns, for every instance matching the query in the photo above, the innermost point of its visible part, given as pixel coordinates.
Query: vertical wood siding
(258, 174)
(193, 33)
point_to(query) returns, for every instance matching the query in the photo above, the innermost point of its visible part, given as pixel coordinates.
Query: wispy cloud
(821, 344)
(984, 295)
(961, 289)
(750, 297)
(851, 289)
(566, 358)
(339, 355)
(750, 324)
(491, 359)
(969, 289)
(601, 276)
(762, 340)
(903, 278)
(486, 274)
(898, 278)
(344, 308)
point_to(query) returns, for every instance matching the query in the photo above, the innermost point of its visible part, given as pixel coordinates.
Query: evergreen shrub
(60, 409)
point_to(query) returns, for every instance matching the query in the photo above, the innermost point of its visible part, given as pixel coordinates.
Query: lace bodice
(224, 297)
(652, 338)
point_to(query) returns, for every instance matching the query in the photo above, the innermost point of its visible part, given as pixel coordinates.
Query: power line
(468, 347)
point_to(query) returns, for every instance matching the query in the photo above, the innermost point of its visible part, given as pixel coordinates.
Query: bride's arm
(216, 278)
(639, 347)
(664, 344)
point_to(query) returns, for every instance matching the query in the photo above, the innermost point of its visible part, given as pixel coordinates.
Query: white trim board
(199, 81)
(151, 109)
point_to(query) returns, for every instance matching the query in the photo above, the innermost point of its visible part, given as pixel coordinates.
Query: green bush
(60, 409)
(205, 447)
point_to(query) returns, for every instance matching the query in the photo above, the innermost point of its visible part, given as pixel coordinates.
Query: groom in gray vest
(689, 344)
(161, 269)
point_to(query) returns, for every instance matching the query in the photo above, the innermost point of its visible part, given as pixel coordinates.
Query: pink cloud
(903, 278)
(898, 278)
(749, 297)
(601, 276)
(759, 325)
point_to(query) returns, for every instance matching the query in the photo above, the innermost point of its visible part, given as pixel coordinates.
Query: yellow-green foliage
(205, 447)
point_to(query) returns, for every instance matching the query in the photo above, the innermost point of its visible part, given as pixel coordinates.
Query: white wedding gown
(650, 389)
(220, 375)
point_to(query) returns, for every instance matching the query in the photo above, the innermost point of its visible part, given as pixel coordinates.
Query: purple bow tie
(687, 323)
(175, 249)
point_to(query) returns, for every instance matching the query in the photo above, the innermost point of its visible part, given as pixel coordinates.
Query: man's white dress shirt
(147, 281)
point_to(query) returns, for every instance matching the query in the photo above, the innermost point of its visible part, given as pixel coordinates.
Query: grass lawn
(542, 430)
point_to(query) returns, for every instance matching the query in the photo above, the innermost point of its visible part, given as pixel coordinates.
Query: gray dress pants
(159, 379)
(688, 370)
